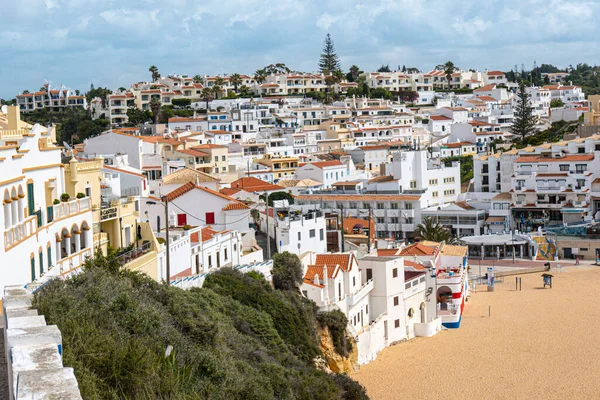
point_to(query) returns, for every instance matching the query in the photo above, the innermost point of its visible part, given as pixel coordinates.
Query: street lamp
(165, 203)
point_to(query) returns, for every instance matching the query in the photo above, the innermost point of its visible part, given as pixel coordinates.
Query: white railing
(71, 264)
(66, 209)
(20, 231)
(361, 293)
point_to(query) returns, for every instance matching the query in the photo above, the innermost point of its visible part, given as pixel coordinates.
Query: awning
(495, 220)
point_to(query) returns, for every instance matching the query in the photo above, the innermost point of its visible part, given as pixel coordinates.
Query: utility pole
(373, 233)
(166, 200)
(268, 237)
(343, 245)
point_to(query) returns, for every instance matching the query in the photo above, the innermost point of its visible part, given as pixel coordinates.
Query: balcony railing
(135, 253)
(72, 264)
(20, 232)
(67, 209)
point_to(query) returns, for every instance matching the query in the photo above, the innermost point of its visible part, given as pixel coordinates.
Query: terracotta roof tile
(418, 249)
(344, 260)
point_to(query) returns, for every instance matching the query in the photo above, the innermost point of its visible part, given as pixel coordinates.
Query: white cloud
(326, 20)
(61, 33)
(472, 28)
(50, 4)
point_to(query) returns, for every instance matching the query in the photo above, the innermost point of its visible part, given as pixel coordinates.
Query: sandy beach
(537, 344)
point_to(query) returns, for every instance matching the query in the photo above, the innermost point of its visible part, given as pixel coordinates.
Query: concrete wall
(33, 351)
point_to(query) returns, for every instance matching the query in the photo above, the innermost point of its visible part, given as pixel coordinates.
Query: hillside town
(386, 186)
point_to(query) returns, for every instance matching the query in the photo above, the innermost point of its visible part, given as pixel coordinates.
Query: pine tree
(329, 62)
(524, 121)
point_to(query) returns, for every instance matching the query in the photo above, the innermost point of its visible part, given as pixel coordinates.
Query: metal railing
(135, 253)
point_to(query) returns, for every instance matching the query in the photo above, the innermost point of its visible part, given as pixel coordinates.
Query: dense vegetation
(466, 166)
(551, 135)
(129, 337)
(74, 125)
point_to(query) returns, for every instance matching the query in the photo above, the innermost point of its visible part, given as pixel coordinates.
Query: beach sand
(537, 344)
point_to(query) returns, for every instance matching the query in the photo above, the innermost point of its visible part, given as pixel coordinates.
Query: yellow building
(281, 166)
(592, 117)
(115, 220)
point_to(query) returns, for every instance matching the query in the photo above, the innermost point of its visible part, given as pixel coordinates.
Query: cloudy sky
(113, 42)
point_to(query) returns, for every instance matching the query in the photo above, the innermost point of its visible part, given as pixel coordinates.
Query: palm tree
(220, 81)
(431, 229)
(449, 70)
(155, 106)
(198, 79)
(235, 80)
(217, 91)
(154, 71)
(353, 73)
(207, 95)
(244, 90)
(260, 75)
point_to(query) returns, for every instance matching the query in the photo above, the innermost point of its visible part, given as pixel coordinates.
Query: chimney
(13, 114)
(325, 278)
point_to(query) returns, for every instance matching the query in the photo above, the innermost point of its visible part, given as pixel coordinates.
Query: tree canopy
(287, 271)
(129, 337)
(524, 120)
(432, 230)
(329, 61)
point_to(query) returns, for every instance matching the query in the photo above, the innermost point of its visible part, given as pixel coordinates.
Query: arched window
(32, 261)
(41, 257)
(411, 312)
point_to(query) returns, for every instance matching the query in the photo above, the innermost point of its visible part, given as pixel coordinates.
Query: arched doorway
(444, 297)
(423, 309)
(84, 240)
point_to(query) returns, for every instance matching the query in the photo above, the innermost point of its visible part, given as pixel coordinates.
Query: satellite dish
(66, 146)
(4, 109)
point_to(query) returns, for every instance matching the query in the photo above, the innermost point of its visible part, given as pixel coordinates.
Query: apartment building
(295, 229)
(279, 166)
(550, 184)
(409, 183)
(46, 234)
(54, 100)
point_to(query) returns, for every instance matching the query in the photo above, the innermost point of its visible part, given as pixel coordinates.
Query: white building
(43, 236)
(294, 230)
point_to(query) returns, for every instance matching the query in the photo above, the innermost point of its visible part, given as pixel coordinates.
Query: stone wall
(33, 350)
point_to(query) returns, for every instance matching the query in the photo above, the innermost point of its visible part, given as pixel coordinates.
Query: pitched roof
(464, 205)
(185, 175)
(412, 264)
(312, 270)
(325, 164)
(388, 253)
(251, 184)
(207, 234)
(451, 250)
(235, 206)
(124, 171)
(361, 197)
(485, 88)
(210, 146)
(187, 187)
(502, 196)
(439, 118)
(194, 153)
(299, 183)
(344, 260)
(569, 157)
(418, 249)
(382, 178)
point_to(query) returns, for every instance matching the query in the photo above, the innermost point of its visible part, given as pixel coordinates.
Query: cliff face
(336, 362)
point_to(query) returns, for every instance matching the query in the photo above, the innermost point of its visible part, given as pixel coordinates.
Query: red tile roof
(235, 206)
(418, 249)
(569, 157)
(251, 184)
(485, 88)
(439, 118)
(325, 164)
(388, 253)
(313, 270)
(344, 260)
(412, 264)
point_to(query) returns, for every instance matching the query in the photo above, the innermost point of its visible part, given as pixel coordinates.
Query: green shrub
(65, 197)
(337, 322)
(287, 271)
(56, 201)
(80, 195)
(234, 338)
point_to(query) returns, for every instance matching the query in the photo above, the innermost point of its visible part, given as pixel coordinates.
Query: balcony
(20, 232)
(70, 265)
(361, 293)
(67, 209)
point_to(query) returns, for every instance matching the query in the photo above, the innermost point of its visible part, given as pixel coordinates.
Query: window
(395, 273)
(394, 206)
(411, 312)
(181, 219)
(210, 218)
(366, 309)
(353, 281)
(32, 267)
(225, 254)
(311, 233)
(49, 257)
(380, 220)
(396, 301)
(299, 236)
(434, 194)
(407, 285)
(210, 261)
(433, 182)
(321, 234)
(413, 184)
(222, 158)
(30, 198)
(41, 255)
(564, 167)
(449, 180)
(397, 323)
(583, 249)
(369, 274)
(380, 206)
(235, 247)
